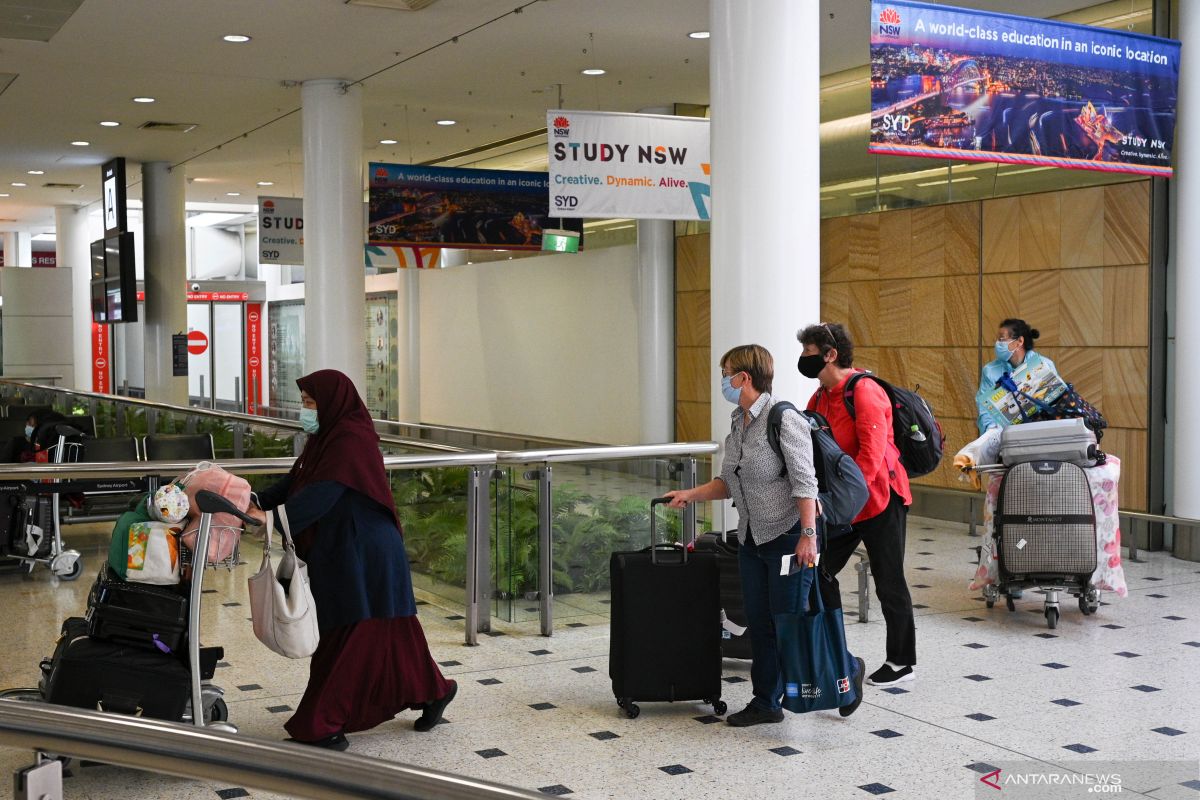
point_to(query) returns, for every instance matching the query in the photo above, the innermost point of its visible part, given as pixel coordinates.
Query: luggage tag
(790, 566)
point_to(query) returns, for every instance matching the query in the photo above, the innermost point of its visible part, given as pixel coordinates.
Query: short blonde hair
(755, 360)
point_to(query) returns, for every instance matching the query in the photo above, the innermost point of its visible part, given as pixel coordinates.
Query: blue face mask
(308, 420)
(1002, 351)
(28, 431)
(731, 393)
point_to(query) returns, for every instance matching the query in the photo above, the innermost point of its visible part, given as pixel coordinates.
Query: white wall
(38, 338)
(542, 346)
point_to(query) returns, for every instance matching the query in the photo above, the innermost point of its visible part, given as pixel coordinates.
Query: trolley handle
(655, 545)
(68, 430)
(213, 503)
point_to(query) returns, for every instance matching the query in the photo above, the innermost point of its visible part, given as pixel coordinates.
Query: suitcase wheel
(630, 708)
(1089, 601)
(719, 707)
(1011, 604)
(1051, 617)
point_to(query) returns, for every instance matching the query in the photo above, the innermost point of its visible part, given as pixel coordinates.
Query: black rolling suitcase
(93, 674)
(733, 606)
(665, 643)
(138, 614)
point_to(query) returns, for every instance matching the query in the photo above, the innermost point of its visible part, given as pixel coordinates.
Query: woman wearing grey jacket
(777, 516)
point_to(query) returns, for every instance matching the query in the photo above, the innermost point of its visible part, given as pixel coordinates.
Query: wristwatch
(808, 531)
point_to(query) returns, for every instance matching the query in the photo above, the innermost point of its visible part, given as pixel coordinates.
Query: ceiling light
(36, 172)
(80, 143)
(951, 180)
(210, 219)
(699, 35)
(143, 99)
(233, 194)
(266, 183)
(43, 237)
(236, 38)
(5, 194)
(108, 123)
(447, 122)
(593, 71)
(387, 141)
(19, 185)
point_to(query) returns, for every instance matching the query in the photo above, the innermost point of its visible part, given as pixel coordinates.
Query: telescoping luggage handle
(654, 545)
(213, 503)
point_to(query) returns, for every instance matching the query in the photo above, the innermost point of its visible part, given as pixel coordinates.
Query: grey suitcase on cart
(1055, 440)
(1045, 522)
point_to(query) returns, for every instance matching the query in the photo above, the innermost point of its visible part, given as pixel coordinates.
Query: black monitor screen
(114, 280)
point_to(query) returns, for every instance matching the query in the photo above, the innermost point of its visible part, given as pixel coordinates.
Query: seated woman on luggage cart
(777, 516)
(1014, 351)
(372, 661)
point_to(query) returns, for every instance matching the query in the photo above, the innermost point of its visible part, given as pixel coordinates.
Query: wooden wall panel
(928, 241)
(863, 255)
(960, 381)
(1038, 303)
(1040, 243)
(1081, 307)
(692, 370)
(1126, 306)
(960, 326)
(896, 318)
(692, 263)
(895, 244)
(1002, 234)
(1129, 446)
(1125, 390)
(692, 310)
(863, 319)
(1001, 294)
(1127, 223)
(1082, 223)
(692, 422)
(962, 238)
(835, 249)
(928, 313)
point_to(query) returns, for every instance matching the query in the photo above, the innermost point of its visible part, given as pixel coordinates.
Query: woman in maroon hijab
(373, 661)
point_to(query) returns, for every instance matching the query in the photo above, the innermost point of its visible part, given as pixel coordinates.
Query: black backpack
(917, 433)
(841, 487)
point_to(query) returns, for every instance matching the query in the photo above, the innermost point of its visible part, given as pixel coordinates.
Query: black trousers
(884, 537)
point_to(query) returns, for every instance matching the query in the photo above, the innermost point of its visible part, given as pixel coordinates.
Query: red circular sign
(254, 316)
(197, 342)
(101, 363)
(254, 361)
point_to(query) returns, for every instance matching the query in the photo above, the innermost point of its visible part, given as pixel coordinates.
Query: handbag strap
(286, 528)
(814, 586)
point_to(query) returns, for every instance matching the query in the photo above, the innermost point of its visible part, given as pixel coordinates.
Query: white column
(409, 346)
(1186, 258)
(165, 278)
(656, 323)
(764, 79)
(18, 249)
(74, 252)
(334, 275)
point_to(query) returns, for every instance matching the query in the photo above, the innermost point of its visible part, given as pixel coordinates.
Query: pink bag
(226, 528)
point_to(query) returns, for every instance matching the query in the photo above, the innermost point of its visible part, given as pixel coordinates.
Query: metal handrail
(607, 453)
(233, 416)
(186, 751)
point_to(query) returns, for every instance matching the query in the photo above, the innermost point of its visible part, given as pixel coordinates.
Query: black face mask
(811, 366)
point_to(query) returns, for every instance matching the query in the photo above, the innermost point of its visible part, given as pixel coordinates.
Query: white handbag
(285, 619)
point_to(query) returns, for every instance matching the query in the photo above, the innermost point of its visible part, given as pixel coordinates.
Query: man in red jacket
(867, 438)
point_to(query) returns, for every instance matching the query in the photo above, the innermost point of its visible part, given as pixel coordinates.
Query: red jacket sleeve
(872, 413)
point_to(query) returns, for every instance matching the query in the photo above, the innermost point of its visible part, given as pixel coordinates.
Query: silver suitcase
(1067, 440)
(1045, 521)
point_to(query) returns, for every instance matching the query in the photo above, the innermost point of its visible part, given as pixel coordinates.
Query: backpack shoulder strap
(774, 425)
(848, 392)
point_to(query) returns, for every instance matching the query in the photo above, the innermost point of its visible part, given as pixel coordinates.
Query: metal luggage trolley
(203, 694)
(1049, 583)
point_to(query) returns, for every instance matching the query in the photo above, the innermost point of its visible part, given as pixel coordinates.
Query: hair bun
(1034, 333)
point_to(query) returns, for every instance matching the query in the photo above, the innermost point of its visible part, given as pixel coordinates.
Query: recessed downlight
(143, 99)
(19, 185)
(236, 38)
(266, 183)
(36, 172)
(447, 122)
(699, 35)
(387, 141)
(593, 71)
(5, 194)
(108, 123)
(233, 194)
(80, 143)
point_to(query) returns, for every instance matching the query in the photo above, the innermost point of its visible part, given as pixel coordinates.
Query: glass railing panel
(514, 545)
(432, 506)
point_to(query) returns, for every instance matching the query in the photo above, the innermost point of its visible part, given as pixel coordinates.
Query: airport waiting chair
(183, 447)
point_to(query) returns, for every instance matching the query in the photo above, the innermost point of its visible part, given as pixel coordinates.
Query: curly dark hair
(826, 336)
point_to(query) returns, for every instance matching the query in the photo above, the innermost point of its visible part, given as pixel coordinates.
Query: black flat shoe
(337, 742)
(432, 714)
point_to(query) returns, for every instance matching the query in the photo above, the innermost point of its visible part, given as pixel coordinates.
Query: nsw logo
(889, 23)
(843, 685)
(562, 127)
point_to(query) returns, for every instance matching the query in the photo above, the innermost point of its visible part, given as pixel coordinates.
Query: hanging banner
(281, 230)
(461, 208)
(642, 166)
(253, 357)
(101, 359)
(397, 257)
(975, 86)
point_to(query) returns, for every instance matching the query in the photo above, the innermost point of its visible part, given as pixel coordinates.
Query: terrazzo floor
(993, 688)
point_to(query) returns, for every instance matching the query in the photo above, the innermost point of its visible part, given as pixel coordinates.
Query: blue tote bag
(817, 668)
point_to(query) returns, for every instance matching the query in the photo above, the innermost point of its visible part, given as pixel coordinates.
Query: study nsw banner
(642, 166)
(975, 86)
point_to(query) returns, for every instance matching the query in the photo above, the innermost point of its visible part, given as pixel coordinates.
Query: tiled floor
(993, 687)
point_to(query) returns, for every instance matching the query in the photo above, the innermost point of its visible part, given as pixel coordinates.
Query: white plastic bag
(153, 555)
(285, 619)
